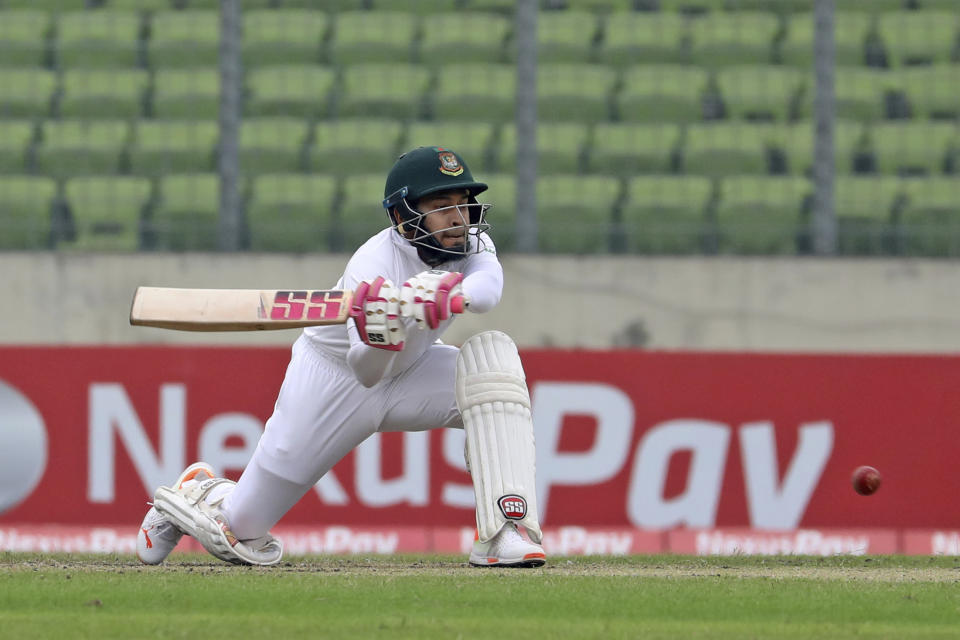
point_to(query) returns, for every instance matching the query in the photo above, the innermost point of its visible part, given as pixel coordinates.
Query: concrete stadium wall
(597, 302)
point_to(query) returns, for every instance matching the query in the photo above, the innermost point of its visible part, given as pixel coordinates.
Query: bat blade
(238, 309)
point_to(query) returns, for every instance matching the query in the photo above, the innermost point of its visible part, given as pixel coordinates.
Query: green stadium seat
(106, 212)
(247, 5)
(25, 206)
(502, 217)
(779, 6)
(574, 92)
(565, 36)
(600, 6)
(150, 6)
(162, 147)
(383, 90)
(193, 94)
(26, 92)
(184, 39)
(665, 214)
(860, 93)
(574, 213)
(871, 6)
(97, 39)
(470, 140)
(103, 93)
(913, 148)
(373, 36)
(329, 5)
(931, 91)
(695, 7)
(935, 5)
(723, 149)
(475, 92)
(361, 213)
(561, 148)
(919, 37)
(930, 221)
(291, 36)
(272, 145)
(186, 213)
(850, 36)
(16, 136)
(291, 213)
(864, 207)
(719, 39)
(628, 149)
(761, 215)
(796, 142)
(643, 38)
(22, 38)
(50, 6)
(294, 90)
(464, 37)
(81, 147)
(662, 93)
(760, 92)
(355, 146)
(419, 7)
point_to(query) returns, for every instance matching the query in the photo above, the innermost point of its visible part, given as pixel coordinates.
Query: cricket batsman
(385, 370)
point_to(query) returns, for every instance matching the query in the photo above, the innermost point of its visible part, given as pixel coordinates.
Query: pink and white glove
(376, 311)
(430, 297)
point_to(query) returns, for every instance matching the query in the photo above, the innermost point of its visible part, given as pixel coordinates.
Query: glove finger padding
(430, 297)
(376, 312)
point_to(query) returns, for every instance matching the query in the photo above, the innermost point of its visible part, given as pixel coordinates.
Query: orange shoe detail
(192, 475)
(147, 536)
(532, 556)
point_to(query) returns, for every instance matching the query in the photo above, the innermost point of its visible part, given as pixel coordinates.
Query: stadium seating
(362, 147)
(629, 149)
(464, 37)
(662, 93)
(291, 37)
(291, 213)
(290, 90)
(16, 137)
(925, 37)
(361, 213)
(380, 36)
(106, 212)
(574, 213)
(796, 143)
(25, 211)
(97, 39)
(170, 146)
(631, 39)
(864, 208)
(81, 147)
(574, 92)
(931, 91)
(185, 213)
(27, 93)
(184, 39)
(474, 92)
(272, 145)
(471, 140)
(719, 39)
(929, 224)
(850, 38)
(22, 38)
(103, 93)
(725, 149)
(186, 93)
(761, 215)
(666, 214)
(383, 90)
(502, 216)
(565, 37)
(561, 148)
(912, 148)
(756, 92)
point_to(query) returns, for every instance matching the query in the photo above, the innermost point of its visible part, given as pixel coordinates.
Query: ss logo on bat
(306, 305)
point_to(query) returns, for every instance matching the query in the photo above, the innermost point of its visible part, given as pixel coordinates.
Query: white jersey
(389, 255)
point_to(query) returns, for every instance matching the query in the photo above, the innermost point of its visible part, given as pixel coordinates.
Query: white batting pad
(493, 399)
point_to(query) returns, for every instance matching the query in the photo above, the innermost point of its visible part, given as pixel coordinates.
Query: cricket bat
(238, 309)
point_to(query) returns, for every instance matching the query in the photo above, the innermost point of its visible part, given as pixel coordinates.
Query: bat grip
(458, 304)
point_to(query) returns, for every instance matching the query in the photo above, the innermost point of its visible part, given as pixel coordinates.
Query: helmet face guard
(468, 224)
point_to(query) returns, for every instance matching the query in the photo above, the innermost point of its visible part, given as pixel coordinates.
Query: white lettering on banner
(697, 505)
(339, 540)
(613, 412)
(330, 491)
(213, 437)
(945, 544)
(95, 540)
(774, 506)
(413, 484)
(567, 541)
(802, 542)
(111, 410)
(456, 495)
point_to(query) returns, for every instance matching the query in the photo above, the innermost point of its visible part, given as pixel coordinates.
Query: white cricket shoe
(507, 549)
(158, 536)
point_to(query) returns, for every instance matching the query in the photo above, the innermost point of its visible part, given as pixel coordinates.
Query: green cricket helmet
(427, 171)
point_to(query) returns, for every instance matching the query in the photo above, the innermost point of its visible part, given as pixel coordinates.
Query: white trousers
(321, 414)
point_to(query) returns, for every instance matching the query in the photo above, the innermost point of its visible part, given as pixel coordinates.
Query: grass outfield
(86, 596)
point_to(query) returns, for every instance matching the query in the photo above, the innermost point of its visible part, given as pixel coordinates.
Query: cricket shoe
(507, 549)
(158, 536)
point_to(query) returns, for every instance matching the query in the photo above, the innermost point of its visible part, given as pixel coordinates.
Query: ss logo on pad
(513, 507)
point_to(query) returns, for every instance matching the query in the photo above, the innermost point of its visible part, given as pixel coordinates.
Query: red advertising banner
(627, 440)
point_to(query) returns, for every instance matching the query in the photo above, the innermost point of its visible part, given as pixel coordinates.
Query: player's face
(445, 218)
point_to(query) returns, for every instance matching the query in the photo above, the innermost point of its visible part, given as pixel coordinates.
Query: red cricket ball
(866, 480)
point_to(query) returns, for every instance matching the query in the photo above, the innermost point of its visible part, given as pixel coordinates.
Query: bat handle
(459, 304)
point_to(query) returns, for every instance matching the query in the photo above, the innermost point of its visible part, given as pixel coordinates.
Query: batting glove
(430, 297)
(376, 311)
